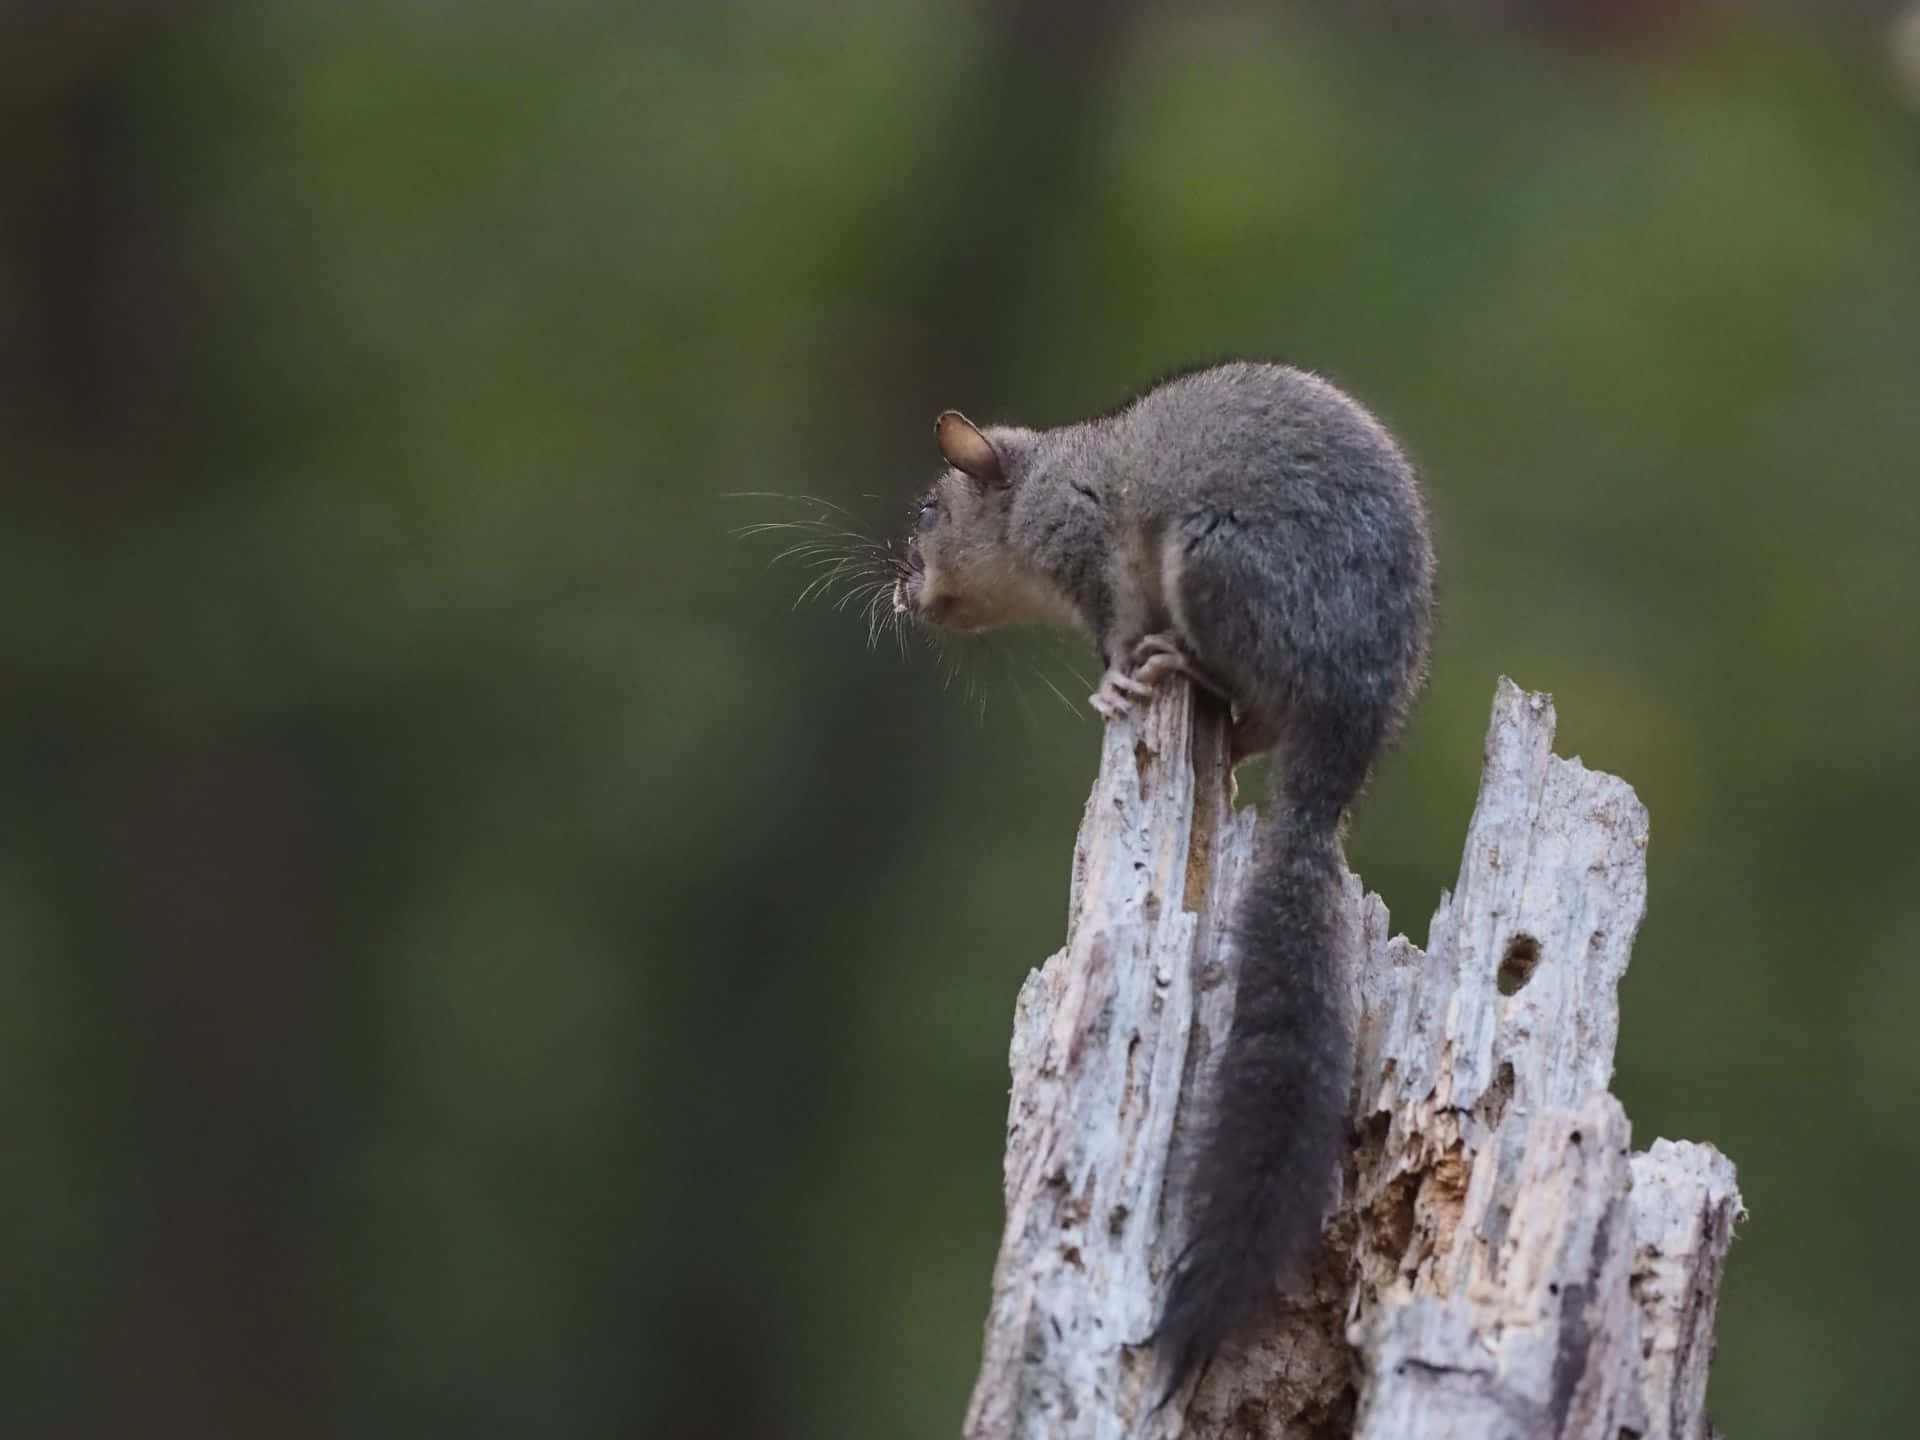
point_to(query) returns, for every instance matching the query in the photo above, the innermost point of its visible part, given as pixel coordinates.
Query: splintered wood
(1501, 1265)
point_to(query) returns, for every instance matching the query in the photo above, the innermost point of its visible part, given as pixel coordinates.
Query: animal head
(963, 569)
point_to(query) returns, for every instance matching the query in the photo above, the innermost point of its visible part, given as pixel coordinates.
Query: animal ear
(967, 450)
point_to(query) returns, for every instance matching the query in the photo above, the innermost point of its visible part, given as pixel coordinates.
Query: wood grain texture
(1500, 1265)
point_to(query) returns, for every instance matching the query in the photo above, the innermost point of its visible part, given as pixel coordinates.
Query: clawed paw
(1164, 643)
(1118, 690)
(1151, 660)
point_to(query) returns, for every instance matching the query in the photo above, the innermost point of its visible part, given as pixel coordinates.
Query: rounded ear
(967, 450)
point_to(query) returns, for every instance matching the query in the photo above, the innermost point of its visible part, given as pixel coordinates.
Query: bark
(1501, 1263)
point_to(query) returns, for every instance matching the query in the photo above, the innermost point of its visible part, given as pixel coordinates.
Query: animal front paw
(1155, 657)
(1118, 690)
(1145, 664)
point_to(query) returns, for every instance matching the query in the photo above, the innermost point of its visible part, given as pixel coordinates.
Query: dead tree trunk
(1501, 1264)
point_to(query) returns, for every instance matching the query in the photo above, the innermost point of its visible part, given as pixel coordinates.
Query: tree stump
(1501, 1264)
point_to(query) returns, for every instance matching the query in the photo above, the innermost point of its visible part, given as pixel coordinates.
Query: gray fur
(1273, 528)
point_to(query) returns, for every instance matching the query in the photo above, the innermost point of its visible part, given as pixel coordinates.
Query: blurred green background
(474, 960)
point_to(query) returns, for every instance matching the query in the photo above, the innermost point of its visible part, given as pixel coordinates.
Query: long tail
(1268, 1162)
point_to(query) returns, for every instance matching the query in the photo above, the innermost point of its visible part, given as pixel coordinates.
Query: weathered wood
(1500, 1264)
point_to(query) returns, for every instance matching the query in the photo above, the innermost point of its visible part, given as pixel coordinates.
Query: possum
(1256, 529)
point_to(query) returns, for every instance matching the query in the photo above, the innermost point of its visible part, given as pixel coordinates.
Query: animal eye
(929, 513)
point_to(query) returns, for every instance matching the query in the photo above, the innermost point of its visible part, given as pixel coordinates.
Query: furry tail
(1268, 1162)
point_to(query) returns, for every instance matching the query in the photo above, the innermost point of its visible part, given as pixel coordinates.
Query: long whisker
(884, 619)
(809, 547)
(862, 592)
(831, 505)
(850, 587)
(1072, 709)
(839, 557)
(760, 527)
(1019, 691)
(819, 584)
(851, 569)
(823, 530)
(791, 499)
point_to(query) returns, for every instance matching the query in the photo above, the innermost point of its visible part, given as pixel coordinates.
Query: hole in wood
(1518, 964)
